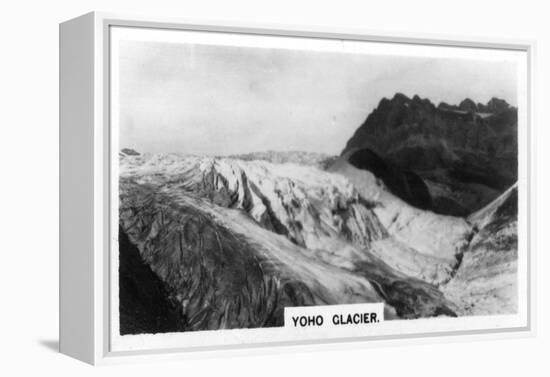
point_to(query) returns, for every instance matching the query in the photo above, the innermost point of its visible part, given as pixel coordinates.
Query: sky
(219, 100)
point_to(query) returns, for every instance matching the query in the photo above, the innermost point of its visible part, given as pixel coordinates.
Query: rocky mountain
(446, 158)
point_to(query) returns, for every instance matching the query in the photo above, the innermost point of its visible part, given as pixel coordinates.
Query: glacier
(235, 240)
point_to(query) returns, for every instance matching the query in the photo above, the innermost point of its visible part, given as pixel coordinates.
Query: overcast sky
(216, 100)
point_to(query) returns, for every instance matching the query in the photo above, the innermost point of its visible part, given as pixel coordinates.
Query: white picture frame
(86, 192)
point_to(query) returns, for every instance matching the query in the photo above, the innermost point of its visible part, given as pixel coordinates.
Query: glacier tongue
(221, 269)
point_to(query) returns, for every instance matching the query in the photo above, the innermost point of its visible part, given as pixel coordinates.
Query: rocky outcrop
(466, 155)
(486, 280)
(128, 152)
(144, 304)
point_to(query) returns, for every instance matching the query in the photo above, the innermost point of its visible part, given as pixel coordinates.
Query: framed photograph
(230, 187)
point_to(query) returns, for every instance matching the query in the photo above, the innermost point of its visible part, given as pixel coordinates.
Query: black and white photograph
(275, 188)
(256, 174)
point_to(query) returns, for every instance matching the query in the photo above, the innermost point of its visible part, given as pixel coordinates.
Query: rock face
(144, 304)
(466, 155)
(487, 277)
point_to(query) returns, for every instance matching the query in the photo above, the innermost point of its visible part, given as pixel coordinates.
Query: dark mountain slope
(466, 155)
(144, 306)
(406, 184)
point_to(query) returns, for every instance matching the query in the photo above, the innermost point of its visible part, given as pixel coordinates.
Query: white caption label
(334, 316)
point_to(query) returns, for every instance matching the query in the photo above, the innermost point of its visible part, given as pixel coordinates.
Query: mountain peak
(414, 136)
(468, 105)
(400, 98)
(497, 105)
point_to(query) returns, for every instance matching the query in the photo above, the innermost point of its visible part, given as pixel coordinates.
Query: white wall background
(29, 185)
